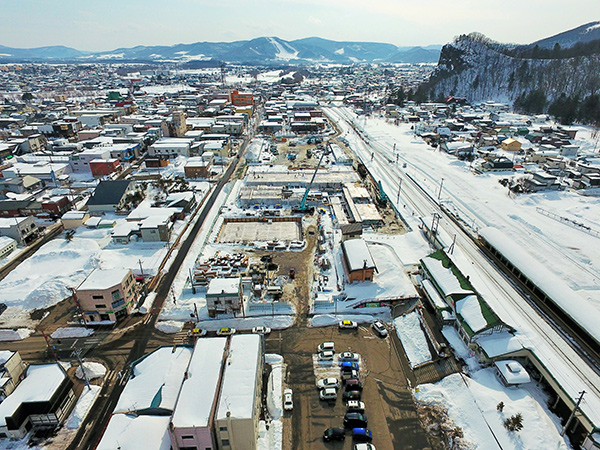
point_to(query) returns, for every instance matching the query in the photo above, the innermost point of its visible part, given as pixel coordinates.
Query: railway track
(554, 340)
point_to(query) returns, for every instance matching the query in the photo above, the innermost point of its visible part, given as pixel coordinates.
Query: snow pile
(71, 332)
(325, 320)
(270, 438)
(83, 406)
(274, 386)
(92, 370)
(15, 335)
(169, 326)
(472, 402)
(408, 328)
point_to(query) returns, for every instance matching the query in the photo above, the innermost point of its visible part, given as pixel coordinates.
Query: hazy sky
(109, 24)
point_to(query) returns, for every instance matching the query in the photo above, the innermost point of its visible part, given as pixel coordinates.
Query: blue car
(348, 366)
(362, 435)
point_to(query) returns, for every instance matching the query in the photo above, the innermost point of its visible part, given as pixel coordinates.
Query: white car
(355, 405)
(364, 446)
(326, 355)
(288, 402)
(225, 331)
(328, 383)
(349, 356)
(380, 328)
(261, 330)
(347, 324)
(329, 393)
(326, 346)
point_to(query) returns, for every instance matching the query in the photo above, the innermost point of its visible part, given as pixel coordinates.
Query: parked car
(350, 375)
(288, 402)
(326, 346)
(365, 446)
(362, 435)
(327, 355)
(334, 434)
(352, 395)
(225, 331)
(349, 357)
(355, 406)
(329, 393)
(380, 328)
(355, 420)
(328, 382)
(353, 385)
(197, 332)
(347, 324)
(261, 330)
(347, 366)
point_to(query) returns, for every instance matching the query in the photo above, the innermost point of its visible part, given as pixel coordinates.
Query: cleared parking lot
(388, 402)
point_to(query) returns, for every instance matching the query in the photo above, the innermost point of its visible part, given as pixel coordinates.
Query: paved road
(136, 340)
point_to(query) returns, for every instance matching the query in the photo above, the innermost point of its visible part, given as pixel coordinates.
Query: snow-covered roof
(5, 241)
(5, 355)
(470, 310)
(358, 255)
(584, 312)
(443, 277)
(103, 279)
(74, 215)
(239, 381)
(433, 294)
(499, 344)
(199, 388)
(230, 286)
(136, 432)
(39, 385)
(513, 372)
(155, 380)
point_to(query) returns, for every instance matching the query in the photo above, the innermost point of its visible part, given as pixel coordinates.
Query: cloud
(314, 20)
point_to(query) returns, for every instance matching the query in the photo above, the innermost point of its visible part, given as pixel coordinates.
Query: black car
(355, 420)
(353, 385)
(334, 434)
(352, 395)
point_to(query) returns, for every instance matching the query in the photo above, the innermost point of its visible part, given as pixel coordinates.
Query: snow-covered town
(275, 257)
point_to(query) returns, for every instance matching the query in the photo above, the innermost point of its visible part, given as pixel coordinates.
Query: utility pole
(141, 268)
(440, 192)
(77, 354)
(399, 189)
(50, 348)
(568, 422)
(76, 300)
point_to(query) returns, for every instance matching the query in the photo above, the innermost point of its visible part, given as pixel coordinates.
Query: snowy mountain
(478, 69)
(584, 33)
(263, 50)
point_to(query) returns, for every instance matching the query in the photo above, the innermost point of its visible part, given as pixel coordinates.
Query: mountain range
(263, 50)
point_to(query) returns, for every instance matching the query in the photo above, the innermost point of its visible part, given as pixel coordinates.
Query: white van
(326, 346)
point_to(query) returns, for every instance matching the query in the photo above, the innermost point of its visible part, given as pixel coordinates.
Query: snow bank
(324, 320)
(408, 328)
(92, 370)
(15, 335)
(83, 406)
(169, 326)
(69, 332)
(275, 386)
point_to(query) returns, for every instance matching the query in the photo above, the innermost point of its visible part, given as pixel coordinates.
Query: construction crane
(303, 208)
